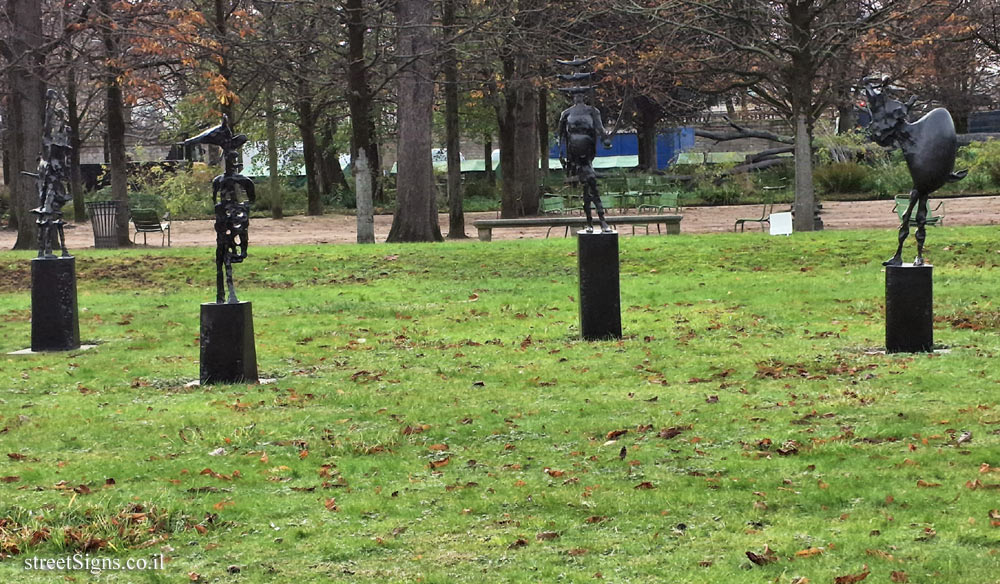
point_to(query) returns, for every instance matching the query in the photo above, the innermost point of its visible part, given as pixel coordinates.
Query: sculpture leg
(229, 282)
(62, 240)
(921, 233)
(43, 236)
(220, 290)
(597, 203)
(587, 200)
(904, 231)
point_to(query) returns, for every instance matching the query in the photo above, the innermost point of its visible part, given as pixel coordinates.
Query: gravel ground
(982, 210)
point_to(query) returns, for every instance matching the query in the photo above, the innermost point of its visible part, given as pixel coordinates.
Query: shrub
(293, 199)
(889, 177)
(187, 194)
(713, 187)
(841, 177)
(983, 161)
(481, 189)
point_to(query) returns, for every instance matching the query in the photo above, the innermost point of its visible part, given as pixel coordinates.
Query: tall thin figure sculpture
(232, 216)
(929, 146)
(51, 178)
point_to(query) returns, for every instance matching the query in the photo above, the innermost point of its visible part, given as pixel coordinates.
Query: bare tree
(784, 52)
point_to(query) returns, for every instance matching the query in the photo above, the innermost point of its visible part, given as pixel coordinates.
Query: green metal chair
(935, 216)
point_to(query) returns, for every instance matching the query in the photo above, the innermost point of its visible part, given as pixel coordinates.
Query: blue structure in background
(984, 122)
(668, 145)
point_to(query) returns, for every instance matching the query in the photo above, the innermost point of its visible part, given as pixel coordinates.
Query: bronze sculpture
(51, 178)
(232, 216)
(929, 146)
(580, 126)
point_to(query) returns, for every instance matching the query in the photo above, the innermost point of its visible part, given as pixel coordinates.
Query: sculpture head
(222, 136)
(888, 115)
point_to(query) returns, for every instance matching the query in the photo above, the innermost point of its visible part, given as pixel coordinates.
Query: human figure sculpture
(929, 146)
(580, 126)
(232, 216)
(51, 178)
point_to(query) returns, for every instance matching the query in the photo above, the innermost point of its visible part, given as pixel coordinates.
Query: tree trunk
(799, 77)
(847, 118)
(24, 115)
(115, 127)
(359, 96)
(274, 182)
(415, 218)
(331, 175)
(517, 118)
(543, 132)
(491, 177)
(307, 130)
(648, 114)
(363, 199)
(73, 120)
(805, 200)
(456, 216)
(119, 162)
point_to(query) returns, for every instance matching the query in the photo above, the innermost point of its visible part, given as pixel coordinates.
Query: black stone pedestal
(54, 323)
(227, 347)
(909, 299)
(600, 298)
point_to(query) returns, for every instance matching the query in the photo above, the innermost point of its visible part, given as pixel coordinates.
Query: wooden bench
(672, 223)
(149, 221)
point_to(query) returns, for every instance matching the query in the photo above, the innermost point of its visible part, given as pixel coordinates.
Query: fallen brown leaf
(441, 462)
(765, 557)
(852, 578)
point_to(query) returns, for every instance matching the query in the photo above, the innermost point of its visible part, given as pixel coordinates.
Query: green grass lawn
(436, 418)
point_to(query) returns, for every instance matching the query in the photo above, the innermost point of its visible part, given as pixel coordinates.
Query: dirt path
(342, 228)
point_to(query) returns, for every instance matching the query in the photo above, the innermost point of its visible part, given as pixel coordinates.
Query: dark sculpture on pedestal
(232, 217)
(580, 127)
(929, 146)
(54, 322)
(228, 354)
(51, 179)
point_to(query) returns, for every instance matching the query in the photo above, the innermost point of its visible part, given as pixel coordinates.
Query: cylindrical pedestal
(227, 347)
(600, 298)
(54, 323)
(909, 300)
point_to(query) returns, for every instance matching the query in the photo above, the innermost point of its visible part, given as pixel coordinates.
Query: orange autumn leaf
(808, 552)
(441, 462)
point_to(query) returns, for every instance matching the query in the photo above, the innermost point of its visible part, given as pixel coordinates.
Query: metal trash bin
(104, 219)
